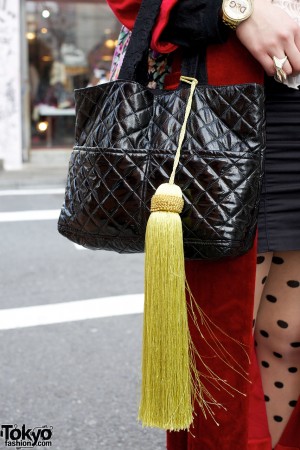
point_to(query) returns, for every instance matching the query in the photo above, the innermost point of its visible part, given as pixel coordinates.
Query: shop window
(70, 45)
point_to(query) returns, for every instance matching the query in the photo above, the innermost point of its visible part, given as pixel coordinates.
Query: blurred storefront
(63, 45)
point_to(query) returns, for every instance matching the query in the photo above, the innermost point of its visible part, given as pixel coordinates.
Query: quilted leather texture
(126, 139)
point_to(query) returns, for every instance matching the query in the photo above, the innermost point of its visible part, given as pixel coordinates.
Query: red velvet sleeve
(126, 12)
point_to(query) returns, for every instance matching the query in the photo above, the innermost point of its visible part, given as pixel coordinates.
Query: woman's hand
(269, 32)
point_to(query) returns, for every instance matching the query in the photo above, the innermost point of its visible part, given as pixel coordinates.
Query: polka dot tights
(277, 334)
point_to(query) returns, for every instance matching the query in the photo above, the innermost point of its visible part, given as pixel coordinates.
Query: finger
(286, 67)
(293, 55)
(269, 66)
(297, 39)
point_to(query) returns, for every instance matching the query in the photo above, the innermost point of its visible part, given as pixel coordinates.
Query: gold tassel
(166, 400)
(166, 380)
(171, 382)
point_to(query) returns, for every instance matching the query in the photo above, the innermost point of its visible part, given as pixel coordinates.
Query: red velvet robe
(223, 289)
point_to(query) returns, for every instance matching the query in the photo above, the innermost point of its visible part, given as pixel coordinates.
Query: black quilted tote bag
(125, 141)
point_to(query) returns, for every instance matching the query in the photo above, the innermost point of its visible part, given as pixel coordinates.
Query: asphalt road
(79, 377)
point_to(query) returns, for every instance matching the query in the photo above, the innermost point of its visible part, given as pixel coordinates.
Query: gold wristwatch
(235, 12)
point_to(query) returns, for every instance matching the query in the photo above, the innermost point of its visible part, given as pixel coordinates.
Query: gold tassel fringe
(171, 382)
(166, 380)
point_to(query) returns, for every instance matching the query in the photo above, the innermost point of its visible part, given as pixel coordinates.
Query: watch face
(237, 10)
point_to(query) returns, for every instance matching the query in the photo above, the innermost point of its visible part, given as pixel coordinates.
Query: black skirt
(279, 214)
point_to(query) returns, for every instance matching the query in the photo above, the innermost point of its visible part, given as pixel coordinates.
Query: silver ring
(280, 74)
(279, 62)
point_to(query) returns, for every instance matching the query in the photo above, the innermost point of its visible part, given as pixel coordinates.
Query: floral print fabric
(158, 64)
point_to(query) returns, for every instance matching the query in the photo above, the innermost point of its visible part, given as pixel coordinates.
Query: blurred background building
(48, 49)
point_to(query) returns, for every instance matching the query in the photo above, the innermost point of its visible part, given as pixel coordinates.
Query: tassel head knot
(168, 197)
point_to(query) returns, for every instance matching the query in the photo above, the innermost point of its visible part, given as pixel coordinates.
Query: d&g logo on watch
(241, 8)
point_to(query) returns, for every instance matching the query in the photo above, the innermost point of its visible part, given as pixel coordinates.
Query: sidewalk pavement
(33, 175)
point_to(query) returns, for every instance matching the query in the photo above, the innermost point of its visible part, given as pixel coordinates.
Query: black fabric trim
(195, 22)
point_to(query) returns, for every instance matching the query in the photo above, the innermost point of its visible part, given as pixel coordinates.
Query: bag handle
(135, 63)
